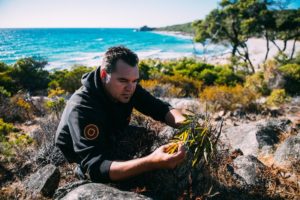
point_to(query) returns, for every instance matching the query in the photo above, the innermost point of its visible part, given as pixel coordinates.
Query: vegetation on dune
(184, 28)
(235, 22)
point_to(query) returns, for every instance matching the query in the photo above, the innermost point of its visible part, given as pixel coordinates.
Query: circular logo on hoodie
(91, 132)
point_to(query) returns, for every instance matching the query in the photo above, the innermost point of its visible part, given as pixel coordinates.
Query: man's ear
(103, 74)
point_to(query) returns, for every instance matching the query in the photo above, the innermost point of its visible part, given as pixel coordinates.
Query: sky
(102, 13)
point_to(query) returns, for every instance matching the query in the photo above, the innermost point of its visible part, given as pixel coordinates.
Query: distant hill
(185, 28)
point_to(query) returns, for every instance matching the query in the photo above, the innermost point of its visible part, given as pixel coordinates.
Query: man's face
(121, 83)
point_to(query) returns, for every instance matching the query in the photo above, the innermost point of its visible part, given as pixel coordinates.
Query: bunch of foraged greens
(199, 137)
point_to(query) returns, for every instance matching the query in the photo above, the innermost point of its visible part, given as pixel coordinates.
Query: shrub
(189, 86)
(208, 76)
(5, 128)
(11, 140)
(69, 80)
(226, 76)
(277, 97)
(46, 151)
(30, 75)
(228, 98)
(17, 108)
(160, 89)
(56, 105)
(291, 73)
(257, 84)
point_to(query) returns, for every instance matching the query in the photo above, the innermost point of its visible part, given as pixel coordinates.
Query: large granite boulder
(288, 152)
(254, 137)
(250, 169)
(94, 191)
(44, 182)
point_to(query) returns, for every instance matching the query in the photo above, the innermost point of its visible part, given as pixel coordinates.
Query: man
(101, 108)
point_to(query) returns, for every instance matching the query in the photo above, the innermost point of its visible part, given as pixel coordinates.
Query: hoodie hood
(92, 82)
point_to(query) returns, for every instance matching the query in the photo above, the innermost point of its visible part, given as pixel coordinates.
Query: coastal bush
(29, 74)
(7, 82)
(277, 97)
(46, 152)
(160, 89)
(226, 76)
(56, 106)
(228, 98)
(208, 76)
(5, 128)
(291, 73)
(189, 86)
(257, 84)
(17, 108)
(69, 80)
(11, 140)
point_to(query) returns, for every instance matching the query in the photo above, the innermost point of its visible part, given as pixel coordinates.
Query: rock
(288, 152)
(249, 168)
(44, 181)
(167, 131)
(254, 136)
(267, 134)
(98, 191)
(145, 28)
(185, 104)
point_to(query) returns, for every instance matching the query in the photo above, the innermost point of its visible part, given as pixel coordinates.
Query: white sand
(257, 50)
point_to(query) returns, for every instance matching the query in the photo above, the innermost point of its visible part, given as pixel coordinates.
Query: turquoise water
(65, 47)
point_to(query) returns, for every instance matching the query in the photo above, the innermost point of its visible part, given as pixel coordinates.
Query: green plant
(257, 84)
(277, 97)
(228, 98)
(56, 105)
(291, 73)
(198, 136)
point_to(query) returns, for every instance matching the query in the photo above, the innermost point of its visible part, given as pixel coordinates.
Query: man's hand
(160, 159)
(174, 118)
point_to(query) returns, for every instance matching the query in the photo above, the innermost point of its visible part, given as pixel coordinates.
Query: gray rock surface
(249, 168)
(44, 181)
(254, 137)
(184, 103)
(288, 151)
(98, 191)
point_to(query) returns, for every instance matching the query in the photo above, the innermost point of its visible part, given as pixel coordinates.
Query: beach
(257, 50)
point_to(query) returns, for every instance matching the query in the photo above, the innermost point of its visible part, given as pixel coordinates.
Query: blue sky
(101, 13)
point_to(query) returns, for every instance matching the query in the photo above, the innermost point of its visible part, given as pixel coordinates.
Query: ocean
(64, 47)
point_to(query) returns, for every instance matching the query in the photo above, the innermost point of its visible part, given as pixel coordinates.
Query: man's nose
(130, 86)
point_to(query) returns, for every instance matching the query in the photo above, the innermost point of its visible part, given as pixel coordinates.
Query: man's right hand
(160, 159)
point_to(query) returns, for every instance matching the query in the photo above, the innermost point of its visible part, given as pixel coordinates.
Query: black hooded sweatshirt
(90, 117)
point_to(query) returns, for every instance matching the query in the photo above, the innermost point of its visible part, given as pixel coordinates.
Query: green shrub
(69, 80)
(56, 105)
(291, 74)
(257, 84)
(5, 128)
(29, 74)
(227, 77)
(277, 97)
(208, 76)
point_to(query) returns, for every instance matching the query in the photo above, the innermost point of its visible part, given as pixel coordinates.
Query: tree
(29, 74)
(287, 27)
(233, 23)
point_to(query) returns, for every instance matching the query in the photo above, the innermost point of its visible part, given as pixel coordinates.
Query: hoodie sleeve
(147, 104)
(88, 142)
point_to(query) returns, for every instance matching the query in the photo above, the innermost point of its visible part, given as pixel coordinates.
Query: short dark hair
(113, 54)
